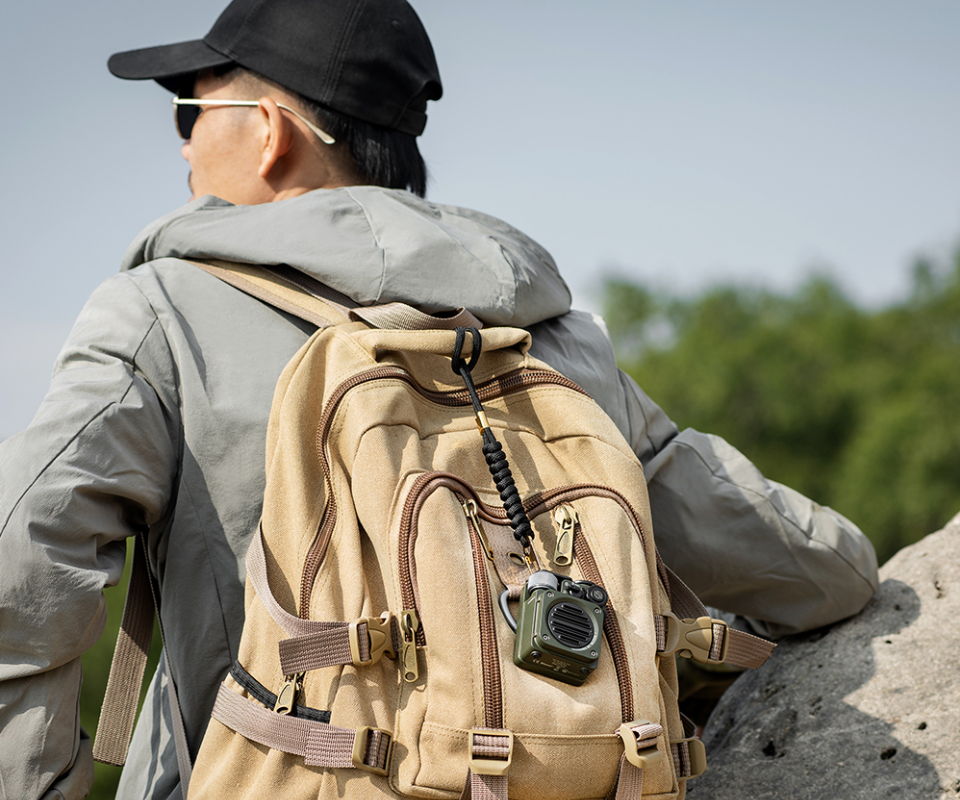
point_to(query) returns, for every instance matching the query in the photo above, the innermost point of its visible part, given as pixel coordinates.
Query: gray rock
(869, 708)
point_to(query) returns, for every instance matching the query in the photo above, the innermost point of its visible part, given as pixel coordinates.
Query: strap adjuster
(380, 633)
(694, 638)
(641, 757)
(489, 764)
(360, 744)
(698, 757)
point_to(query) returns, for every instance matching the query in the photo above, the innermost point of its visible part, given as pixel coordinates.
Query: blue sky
(681, 143)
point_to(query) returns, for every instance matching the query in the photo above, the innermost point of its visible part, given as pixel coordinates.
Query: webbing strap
(681, 760)
(326, 648)
(725, 645)
(184, 761)
(320, 744)
(689, 754)
(689, 758)
(492, 747)
(484, 787)
(744, 650)
(276, 287)
(640, 750)
(315, 643)
(387, 315)
(683, 602)
(296, 293)
(660, 631)
(719, 630)
(256, 561)
(127, 670)
(629, 785)
(491, 752)
(403, 317)
(119, 709)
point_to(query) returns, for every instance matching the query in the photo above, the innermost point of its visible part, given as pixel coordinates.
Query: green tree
(853, 407)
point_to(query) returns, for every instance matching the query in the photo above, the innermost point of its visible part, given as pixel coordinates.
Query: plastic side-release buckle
(360, 744)
(641, 757)
(698, 757)
(380, 633)
(693, 638)
(487, 763)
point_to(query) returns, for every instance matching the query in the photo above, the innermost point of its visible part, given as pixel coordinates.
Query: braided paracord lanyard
(492, 449)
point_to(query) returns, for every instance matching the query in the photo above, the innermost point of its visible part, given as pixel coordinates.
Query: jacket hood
(375, 246)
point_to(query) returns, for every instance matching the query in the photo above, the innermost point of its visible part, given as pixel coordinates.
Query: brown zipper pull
(287, 696)
(470, 509)
(409, 625)
(567, 519)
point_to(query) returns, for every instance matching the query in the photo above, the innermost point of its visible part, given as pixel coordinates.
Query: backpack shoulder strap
(119, 709)
(689, 624)
(295, 292)
(284, 288)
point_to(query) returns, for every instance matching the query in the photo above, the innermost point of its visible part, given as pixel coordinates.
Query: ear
(278, 136)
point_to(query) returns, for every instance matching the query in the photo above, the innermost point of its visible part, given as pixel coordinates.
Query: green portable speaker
(559, 626)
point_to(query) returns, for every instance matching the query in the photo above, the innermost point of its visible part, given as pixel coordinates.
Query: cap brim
(167, 64)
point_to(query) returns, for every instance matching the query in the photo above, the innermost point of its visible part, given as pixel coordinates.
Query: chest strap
(362, 642)
(318, 743)
(710, 641)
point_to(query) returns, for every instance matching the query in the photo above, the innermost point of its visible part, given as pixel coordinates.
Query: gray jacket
(155, 420)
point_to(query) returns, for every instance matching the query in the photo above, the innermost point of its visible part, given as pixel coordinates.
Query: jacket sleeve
(743, 543)
(96, 464)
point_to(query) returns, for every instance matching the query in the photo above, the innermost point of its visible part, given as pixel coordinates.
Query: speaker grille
(570, 625)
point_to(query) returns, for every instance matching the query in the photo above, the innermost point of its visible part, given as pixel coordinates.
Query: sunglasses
(187, 112)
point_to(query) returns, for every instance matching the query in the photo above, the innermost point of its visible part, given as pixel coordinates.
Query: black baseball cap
(370, 59)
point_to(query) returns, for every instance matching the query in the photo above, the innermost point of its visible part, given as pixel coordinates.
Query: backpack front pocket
(466, 676)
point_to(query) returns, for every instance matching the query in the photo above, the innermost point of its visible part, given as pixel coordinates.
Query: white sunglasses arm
(324, 137)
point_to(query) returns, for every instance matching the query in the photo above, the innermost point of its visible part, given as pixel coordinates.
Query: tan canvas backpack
(409, 525)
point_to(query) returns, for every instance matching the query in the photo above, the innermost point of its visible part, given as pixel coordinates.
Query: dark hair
(382, 156)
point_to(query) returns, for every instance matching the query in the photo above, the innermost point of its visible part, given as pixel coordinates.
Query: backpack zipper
(423, 487)
(611, 627)
(540, 502)
(496, 387)
(492, 689)
(409, 627)
(489, 651)
(537, 505)
(567, 521)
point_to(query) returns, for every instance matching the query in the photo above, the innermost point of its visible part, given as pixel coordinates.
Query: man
(300, 120)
